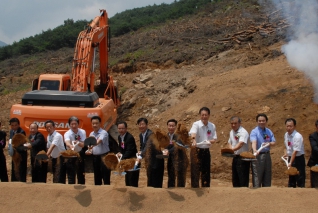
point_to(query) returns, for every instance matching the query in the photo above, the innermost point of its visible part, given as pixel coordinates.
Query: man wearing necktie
(3, 162)
(127, 149)
(155, 166)
(37, 144)
(21, 150)
(178, 160)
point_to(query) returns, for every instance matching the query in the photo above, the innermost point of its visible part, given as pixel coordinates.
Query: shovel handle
(262, 147)
(285, 160)
(119, 158)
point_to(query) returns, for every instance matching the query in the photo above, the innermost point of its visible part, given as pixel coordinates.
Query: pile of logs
(264, 30)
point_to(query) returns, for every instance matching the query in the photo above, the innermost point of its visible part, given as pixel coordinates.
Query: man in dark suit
(37, 144)
(3, 163)
(177, 161)
(144, 134)
(22, 151)
(155, 166)
(313, 160)
(127, 149)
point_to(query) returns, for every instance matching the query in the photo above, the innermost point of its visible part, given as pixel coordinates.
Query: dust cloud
(301, 50)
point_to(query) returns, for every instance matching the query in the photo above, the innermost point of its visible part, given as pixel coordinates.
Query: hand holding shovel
(119, 156)
(285, 159)
(291, 171)
(90, 142)
(264, 145)
(138, 159)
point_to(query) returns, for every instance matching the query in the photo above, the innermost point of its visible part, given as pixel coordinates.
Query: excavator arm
(95, 37)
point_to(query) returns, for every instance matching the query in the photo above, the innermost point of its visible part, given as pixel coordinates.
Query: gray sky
(24, 18)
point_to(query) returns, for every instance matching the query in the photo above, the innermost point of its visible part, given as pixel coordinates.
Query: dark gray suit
(313, 160)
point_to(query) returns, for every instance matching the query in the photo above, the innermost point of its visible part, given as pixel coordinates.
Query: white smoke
(302, 49)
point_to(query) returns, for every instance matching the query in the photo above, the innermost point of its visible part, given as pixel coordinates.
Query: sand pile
(111, 161)
(127, 164)
(314, 168)
(227, 150)
(69, 153)
(247, 155)
(292, 171)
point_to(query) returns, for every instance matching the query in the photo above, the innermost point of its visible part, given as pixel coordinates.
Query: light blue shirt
(262, 136)
(103, 147)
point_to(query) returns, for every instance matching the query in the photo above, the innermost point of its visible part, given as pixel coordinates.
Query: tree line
(66, 34)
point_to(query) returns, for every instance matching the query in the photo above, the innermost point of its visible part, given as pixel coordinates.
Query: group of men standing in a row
(200, 157)
(54, 145)
(262, 168)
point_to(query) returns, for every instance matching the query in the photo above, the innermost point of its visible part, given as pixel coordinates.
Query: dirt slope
(61, 198)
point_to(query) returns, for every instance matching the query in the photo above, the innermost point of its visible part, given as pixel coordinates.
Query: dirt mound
(111, 161)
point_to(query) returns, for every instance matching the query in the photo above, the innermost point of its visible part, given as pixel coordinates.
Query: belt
(102, 155)
(203, 148)
(264, 152)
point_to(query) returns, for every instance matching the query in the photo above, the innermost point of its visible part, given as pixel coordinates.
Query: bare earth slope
(61, 198)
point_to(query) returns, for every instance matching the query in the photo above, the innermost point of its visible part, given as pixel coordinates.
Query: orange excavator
(59, 96)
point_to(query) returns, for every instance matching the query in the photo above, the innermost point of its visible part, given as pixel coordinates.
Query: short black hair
(204, 109)
(49, 122)
(73, 118)
(14, 120)
(238, 119)
(96, 117)
(122, 122)
(37, 126)
(142, 120)
(261, 115)
(291, 119)
(172, 120)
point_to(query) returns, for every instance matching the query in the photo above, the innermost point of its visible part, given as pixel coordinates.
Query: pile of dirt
(292, 171)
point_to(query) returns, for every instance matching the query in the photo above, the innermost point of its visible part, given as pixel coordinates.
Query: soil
(171, 71)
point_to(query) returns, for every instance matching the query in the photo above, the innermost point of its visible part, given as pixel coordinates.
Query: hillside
(2, 44)
(227, 58)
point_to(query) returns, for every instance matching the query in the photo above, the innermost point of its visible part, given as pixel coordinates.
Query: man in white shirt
(295, 151)
(55, 146)
(238, 143)
(99, 151)
(74, 140)
(201, 130)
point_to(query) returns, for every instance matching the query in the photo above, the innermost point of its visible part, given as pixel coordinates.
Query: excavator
(83, 94)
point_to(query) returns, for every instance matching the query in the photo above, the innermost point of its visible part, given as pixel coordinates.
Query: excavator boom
(89, 40)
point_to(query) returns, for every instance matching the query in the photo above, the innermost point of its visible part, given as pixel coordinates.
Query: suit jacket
(170, 148)
(2, 140)
(20, 149)
(130, 148)
(142, 142)
(19, 130)
(38, 143)
(313, 160)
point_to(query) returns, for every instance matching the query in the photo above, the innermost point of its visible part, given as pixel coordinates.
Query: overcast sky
(23, 18)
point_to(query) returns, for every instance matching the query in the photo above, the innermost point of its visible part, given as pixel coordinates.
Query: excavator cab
(57, 82)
